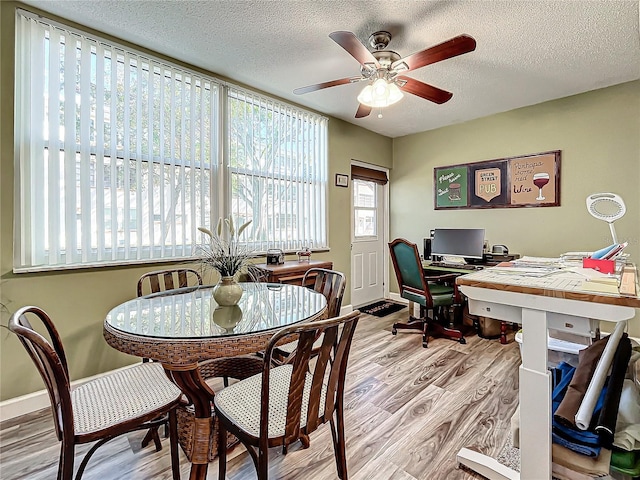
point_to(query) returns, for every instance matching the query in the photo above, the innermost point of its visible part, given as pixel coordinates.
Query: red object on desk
(505, 264)
(603, 266)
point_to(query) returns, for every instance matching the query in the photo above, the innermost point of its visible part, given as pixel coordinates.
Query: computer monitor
(458, 242)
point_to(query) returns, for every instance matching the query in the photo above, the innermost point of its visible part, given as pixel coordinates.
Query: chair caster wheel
(462, 341)
(394, 331)
(424, 345)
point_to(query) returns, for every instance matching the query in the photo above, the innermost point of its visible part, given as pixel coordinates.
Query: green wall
(79, 300)
(599, 135)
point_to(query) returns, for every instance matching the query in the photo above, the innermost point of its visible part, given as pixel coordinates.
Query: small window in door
(364, 209)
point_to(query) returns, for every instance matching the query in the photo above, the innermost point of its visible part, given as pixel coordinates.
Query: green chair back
(410, 276)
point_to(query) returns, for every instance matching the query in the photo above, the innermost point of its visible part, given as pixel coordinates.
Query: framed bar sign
(523, 181)
(451, 187)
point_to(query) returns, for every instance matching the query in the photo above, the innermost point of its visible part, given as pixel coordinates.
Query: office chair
(428, 292)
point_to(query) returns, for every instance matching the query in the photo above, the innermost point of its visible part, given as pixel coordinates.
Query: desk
(535, 303)
(182, 327)
(429, 268)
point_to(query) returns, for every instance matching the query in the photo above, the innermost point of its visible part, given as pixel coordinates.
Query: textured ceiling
(527, 51)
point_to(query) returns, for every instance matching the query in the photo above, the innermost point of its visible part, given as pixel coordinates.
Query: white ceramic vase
(227, 292)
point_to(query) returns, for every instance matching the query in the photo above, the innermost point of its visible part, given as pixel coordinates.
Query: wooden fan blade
(320, 86)
(451, 48)
(354, 47)
(363, 111)
(429, 92)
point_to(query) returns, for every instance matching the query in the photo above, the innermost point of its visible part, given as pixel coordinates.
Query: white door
(367, 237)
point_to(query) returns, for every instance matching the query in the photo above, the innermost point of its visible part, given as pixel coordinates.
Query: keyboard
(463, 266)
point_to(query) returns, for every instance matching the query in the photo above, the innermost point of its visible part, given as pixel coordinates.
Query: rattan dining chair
(286, 403)
(161, 280)
(331, 284)
(100, 410)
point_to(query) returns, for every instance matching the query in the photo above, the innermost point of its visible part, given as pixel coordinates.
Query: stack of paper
(596, 281)
(539, 262)
(601, 285)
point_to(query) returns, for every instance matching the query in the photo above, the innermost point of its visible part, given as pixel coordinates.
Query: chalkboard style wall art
(523, 181)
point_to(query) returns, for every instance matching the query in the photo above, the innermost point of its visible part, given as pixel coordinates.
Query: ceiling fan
(382, 68)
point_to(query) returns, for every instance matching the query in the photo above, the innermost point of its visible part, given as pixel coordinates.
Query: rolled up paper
(585, 412)
(565, 414)
(606, 425)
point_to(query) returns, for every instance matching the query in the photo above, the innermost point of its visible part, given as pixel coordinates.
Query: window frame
(219, 171)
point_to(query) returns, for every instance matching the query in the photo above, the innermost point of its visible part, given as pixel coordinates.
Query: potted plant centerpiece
(224, 254)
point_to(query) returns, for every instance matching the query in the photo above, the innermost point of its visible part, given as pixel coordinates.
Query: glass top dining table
(183, 327)
(190, 326)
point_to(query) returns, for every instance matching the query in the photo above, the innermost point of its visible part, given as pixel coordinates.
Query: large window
(118, 157)
(278, 172)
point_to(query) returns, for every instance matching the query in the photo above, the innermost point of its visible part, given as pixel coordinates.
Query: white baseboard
(397, 298)
(14, 407)
(346, 309)
(32, 402)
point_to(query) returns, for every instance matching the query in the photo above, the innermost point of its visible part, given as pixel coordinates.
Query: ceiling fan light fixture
(380, 94)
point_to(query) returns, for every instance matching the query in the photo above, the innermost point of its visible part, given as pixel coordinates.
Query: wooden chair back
(161, 280)
(328, 372)
(50, 360)
(331, 284)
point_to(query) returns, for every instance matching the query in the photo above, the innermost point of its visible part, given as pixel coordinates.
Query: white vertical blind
(105, 151)
(118, 157)
(277, 163)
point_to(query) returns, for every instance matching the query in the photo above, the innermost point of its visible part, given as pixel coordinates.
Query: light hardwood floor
(408, 411)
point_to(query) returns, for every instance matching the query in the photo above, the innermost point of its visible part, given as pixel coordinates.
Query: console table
(537, 303)
(291, 272)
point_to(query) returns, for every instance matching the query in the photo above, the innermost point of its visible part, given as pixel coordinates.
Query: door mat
(381, 308)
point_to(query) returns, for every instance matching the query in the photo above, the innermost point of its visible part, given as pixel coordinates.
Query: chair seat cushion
(240, 402)
(442, 295)
(121, 396)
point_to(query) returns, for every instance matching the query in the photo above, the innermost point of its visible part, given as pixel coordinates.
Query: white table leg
(535, 398)
(535, 410)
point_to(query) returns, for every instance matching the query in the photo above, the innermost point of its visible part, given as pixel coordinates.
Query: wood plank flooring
(408, 411)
